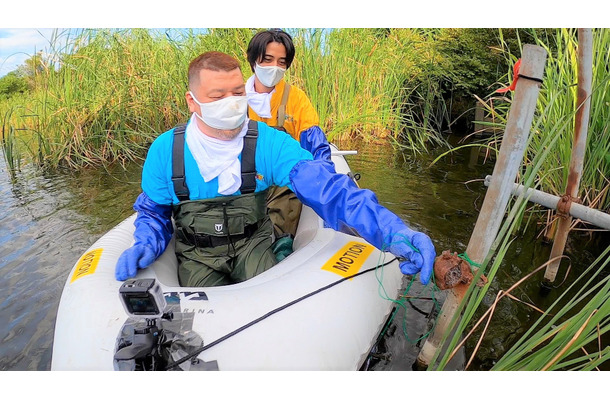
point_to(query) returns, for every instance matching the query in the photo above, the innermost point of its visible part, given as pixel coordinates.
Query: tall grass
(112, 94)
(107, 94)
(8, 147)
(372, 83)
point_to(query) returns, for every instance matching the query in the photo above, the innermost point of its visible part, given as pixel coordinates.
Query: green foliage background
(113, 91)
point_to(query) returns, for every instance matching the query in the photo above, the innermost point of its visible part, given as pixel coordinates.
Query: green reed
(371, 82)
(9, 146)
(114, 92)
(107, 94)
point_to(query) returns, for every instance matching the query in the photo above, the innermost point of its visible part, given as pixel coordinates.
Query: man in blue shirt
(212, 177)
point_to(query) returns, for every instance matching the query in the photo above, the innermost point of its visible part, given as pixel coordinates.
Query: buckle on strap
(182, 192)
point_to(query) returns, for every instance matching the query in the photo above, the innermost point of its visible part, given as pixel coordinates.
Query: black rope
(531, 78)
(270, 313)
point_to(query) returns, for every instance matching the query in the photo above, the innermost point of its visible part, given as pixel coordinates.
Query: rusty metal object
(450, 270)
(564, 204)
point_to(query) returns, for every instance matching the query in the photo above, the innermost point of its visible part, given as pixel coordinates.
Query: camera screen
(141, 305)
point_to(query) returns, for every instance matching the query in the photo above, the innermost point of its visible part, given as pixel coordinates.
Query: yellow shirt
(300, 114)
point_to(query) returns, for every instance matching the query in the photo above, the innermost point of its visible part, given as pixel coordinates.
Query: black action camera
(142, 298)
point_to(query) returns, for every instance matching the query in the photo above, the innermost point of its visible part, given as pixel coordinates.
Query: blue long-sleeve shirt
(276, 154)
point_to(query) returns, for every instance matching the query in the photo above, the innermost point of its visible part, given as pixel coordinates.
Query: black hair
(258, 45)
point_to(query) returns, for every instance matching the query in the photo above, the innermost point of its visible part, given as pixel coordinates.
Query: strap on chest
(248, 161)
(178, 177)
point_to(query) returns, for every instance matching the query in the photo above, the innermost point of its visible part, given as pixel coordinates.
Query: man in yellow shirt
(285, 107)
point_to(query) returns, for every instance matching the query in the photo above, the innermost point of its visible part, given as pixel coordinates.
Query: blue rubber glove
(314, 141)
(134, 258)
(341, 203)
(418, 251)
(153, 233)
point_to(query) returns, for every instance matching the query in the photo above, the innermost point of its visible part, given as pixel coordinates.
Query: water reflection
(46, 222)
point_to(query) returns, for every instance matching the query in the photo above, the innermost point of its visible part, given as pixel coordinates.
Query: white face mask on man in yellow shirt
(270, 75)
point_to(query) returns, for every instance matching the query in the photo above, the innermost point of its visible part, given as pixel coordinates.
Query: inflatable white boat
(321, 308)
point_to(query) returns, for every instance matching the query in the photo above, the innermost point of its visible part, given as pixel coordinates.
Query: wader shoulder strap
(178, 176)
(281, 112)
(248, 163)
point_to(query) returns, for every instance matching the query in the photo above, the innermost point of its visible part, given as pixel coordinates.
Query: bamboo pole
(585, 71)
(496, 200)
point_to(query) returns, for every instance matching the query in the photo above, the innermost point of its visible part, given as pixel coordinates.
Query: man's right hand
(135, 257)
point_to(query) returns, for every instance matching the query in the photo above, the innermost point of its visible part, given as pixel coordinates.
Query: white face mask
(226, 114)
(269, 76)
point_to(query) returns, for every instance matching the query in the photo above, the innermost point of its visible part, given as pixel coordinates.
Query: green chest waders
(225, 239)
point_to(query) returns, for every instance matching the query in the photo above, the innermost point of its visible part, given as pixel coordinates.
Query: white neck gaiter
(217, 158)
(259, 102)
